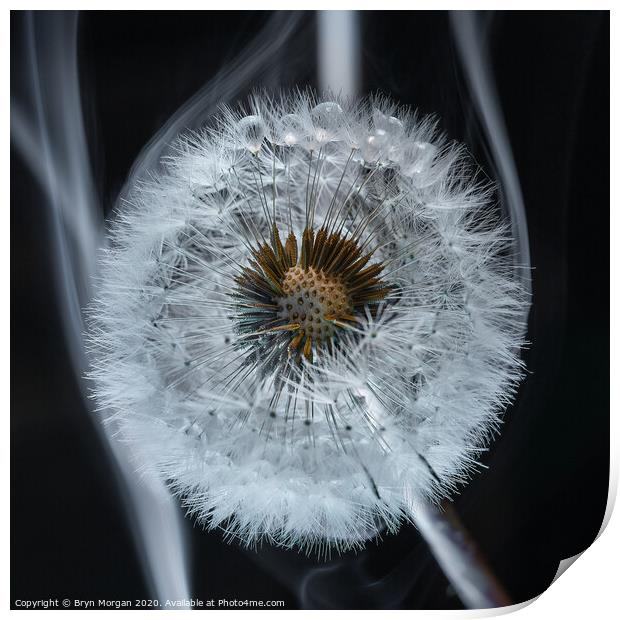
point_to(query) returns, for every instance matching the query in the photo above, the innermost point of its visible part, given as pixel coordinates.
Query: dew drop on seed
(384, 140)
(327, 119)
(421, 155)
(291, 130)
(251, 130)
(387, 125)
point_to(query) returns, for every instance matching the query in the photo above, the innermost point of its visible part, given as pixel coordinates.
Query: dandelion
(307, 318)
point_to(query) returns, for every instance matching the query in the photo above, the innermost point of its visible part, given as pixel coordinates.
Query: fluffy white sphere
(309, 318)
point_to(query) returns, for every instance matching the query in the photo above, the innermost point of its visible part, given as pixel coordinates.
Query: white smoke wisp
(48, 131)
(471, 43)
(254, 64)
(339, 54)
(308, 321)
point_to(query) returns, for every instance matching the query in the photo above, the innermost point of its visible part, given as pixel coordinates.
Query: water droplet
(418, 162)
(291, 130)
(387, 125)
(252, 132)
(327, 118)
(383, 143)
(424, 153)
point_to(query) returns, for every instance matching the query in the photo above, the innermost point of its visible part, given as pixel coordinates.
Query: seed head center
(305, 292)
(313, 300)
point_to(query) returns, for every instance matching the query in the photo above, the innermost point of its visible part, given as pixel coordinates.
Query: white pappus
(308, 317)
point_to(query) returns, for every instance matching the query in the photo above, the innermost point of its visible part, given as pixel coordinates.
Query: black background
(544, 493)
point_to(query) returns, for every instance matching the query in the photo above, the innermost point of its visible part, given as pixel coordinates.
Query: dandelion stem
(458, 556)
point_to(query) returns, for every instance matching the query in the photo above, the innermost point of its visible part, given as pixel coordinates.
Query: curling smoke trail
(253, 66)
(48, 131)
(470, 40)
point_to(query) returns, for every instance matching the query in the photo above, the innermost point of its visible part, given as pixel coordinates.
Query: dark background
(544, 493)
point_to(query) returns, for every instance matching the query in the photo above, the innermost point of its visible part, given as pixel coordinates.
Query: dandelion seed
(308, 319)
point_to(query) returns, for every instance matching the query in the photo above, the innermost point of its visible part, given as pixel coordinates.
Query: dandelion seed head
(309, 316)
